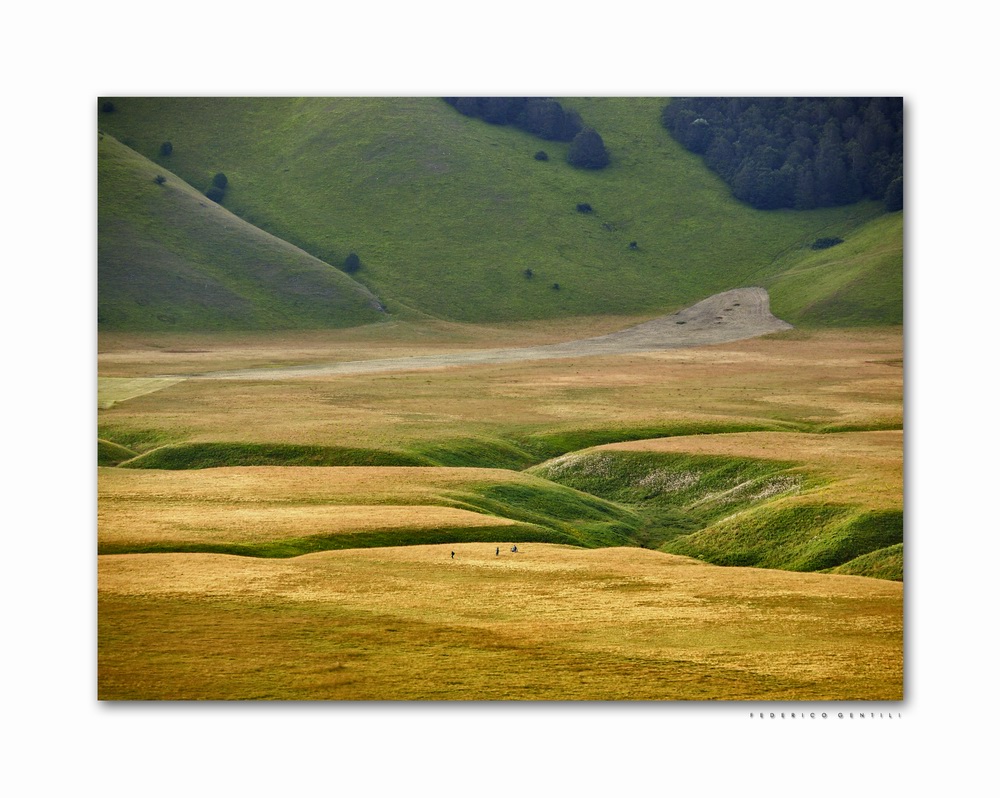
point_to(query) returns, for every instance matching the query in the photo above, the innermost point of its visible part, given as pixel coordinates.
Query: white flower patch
(666, 481)
(746, 491)
(777, 485)
(598, 465)
(580, 465)
(560, 465)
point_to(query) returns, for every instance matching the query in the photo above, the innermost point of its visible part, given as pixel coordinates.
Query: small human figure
(453, 555)
(498, 551)
(514, 549)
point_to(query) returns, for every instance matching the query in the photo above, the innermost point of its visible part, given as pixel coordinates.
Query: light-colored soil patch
(122, 354)
(730, 316)
(549, 622)
(138, 523)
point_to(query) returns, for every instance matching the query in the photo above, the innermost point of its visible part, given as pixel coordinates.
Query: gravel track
(730, 316)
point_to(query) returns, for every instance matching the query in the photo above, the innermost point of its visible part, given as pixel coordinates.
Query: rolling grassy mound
(367, 539)
(799, 537)
(171, 259)
(447, 212)
(674, 494)
(737, 511)
(111, 454)
(517, 452)
(268, 511)
(215, 455)
(884, 563)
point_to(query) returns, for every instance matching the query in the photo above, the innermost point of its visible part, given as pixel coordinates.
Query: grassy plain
(808, 382)
(547, 623)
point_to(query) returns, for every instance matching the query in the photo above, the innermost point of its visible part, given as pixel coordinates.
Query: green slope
(884, 563)
(169, 258)
(448, 212)
(858, 282)
(736, 511)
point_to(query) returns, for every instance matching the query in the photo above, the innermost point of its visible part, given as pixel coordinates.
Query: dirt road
(730, 316)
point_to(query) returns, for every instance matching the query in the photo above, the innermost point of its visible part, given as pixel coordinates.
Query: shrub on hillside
(352, 263)
(220, 181)
(826, 243)
(588, 151)
(166, 148)
(584, 207)
(541, 155)
(159, 180)
(539, 116)
(215, 194)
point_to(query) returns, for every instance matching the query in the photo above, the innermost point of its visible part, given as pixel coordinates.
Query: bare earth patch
(731, 316)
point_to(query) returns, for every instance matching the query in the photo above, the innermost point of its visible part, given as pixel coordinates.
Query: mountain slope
(171, 259)
(449, 213)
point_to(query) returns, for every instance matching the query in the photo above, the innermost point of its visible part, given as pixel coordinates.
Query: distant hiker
(453, 555)
(514, 549)
(498, 551)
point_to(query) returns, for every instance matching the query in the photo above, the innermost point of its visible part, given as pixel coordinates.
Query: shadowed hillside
(171, 259)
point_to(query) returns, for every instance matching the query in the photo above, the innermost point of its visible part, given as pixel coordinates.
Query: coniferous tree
(894, 195)
(801, 152)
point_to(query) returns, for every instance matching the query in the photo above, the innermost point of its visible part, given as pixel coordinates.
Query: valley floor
(293, 538)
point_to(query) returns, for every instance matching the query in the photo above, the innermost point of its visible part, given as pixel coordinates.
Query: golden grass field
(256, 504)
(824, 379)
(547, 623)
(551, 622)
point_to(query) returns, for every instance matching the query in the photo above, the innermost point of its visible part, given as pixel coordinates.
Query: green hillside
(856, 283)
(737, 511)
(448, 212)
(171, 259)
